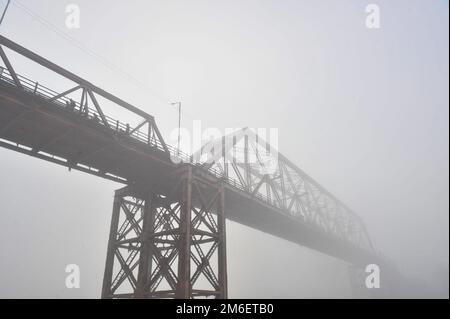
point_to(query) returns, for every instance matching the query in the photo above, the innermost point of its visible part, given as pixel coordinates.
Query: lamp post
(179, 125)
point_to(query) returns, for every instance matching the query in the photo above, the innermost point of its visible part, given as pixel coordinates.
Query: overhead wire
(82, 47)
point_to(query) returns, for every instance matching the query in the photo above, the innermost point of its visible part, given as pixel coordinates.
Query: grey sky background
(363, 111)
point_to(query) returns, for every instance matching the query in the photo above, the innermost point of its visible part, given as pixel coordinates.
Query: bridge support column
(168, 244)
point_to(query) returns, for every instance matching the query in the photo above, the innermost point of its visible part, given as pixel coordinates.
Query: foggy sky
(364, 112)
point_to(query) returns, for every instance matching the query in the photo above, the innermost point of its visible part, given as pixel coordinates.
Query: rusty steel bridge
(167, 236)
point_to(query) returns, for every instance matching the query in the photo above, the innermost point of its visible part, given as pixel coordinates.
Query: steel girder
(90, 104)
(251, 164)
(168, 245)
(287, 188)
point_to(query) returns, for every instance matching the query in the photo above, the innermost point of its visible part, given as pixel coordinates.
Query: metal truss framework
(82, 98)
(252, 165)
(169, 245)
(285, 187)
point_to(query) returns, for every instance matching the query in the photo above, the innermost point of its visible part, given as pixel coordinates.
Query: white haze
(365, 112)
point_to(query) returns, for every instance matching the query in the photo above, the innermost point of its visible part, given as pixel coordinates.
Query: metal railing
(66, 103)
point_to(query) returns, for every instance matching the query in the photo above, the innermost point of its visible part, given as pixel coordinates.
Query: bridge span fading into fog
(167, 236)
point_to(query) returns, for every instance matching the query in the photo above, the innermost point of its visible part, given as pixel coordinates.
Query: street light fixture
(179, 125)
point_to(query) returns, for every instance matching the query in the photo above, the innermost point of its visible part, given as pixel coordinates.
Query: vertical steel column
(145, 257)
(222, 267)
(124, 246)
(107, 277)
(248, 175)
(184, 258)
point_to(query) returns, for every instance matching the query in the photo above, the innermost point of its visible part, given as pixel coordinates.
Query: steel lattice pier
(168, 244)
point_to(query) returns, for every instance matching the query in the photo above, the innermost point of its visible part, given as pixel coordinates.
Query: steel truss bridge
(167, 236)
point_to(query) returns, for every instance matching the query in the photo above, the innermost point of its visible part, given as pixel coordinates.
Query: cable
(112, 67)
(85, 49)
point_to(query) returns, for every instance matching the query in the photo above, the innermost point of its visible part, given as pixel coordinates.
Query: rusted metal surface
(168, 244)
